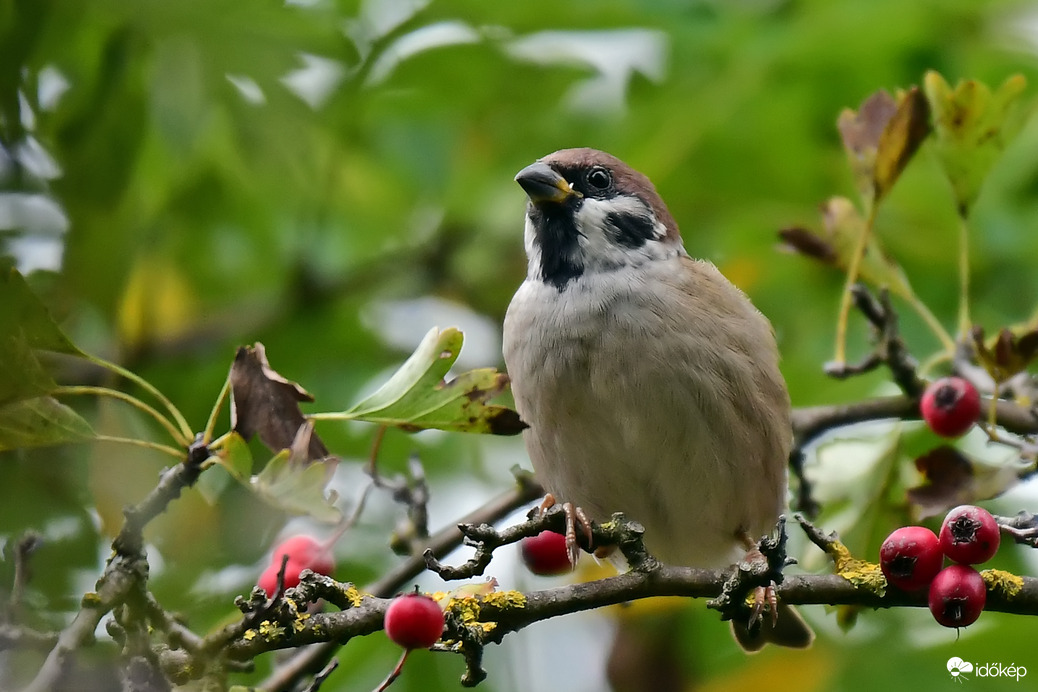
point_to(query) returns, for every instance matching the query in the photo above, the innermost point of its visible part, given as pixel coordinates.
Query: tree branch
(311, 659)
(126, 571)
(812, 421)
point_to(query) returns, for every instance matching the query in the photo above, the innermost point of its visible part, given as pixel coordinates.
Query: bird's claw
(764, 596)
(575, 516)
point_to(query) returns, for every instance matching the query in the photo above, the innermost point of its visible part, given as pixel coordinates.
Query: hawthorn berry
(970, 535)
(414, 621)
(911, 557)
(957, 596)
(546, 553)
(950, 406)
(304, 552)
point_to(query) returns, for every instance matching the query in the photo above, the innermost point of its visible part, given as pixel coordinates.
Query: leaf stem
(185, 435)
(852, 277)
(179, 454)
(964, 277)
(130, 399)
(217, 406)
(331, 415)
(219, 442)
(934, 324)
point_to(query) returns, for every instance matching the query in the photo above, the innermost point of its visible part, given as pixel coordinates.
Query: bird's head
(590, 212)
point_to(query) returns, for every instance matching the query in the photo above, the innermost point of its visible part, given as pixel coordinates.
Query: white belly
(631, 412)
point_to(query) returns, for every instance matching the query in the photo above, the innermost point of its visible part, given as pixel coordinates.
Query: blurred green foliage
(220, 173)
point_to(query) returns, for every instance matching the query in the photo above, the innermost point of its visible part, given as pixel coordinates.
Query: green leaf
(235, 456)
(416, 396)
(973, 126)
(40, 422)
(296, 488)
(25, 327)
(21, 374)
(24, 318)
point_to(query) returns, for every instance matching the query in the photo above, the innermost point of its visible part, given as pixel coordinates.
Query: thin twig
(322, 676)
(23, 550)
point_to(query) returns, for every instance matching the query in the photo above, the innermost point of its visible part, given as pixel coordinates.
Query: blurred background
(333, 178)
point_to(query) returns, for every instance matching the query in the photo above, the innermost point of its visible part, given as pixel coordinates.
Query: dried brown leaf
(952, 478)
(809, 244)
(949, 476)
(266, 404)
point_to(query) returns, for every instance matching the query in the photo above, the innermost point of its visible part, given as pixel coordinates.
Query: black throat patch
(557, 239)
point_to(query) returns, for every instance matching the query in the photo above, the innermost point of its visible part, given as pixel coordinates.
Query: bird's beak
(542, 184)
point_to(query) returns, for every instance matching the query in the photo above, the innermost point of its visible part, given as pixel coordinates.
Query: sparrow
(649, 382)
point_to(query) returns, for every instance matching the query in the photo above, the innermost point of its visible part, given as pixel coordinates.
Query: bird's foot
(575, 517)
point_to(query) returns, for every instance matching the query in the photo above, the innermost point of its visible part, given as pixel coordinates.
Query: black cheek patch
(630, 230)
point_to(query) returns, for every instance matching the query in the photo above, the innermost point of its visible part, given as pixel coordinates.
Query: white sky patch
(615, 56)
(248, 88)
(439, 35)
(32, 212)
(315, 81)
(41, 224)
(377, 18)
(51, 86)
(36, 160)
(403, 323)
(25, 113)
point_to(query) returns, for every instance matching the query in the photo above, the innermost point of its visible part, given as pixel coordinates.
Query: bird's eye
(599, 178)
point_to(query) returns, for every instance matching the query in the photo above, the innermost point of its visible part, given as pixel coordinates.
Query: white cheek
(601, 250)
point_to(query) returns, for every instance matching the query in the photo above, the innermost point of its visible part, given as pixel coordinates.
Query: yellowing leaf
(843, 225)
(416, 396)
(972, 126)
(900, 139)
(1007, 353)
(158, 302)
(881, 137)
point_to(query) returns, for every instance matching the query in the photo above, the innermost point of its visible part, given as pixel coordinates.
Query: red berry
(911, 557)
(546, 553)
(957, 596)
(304, 552)
(970, 535)
(414, 621)
(950, 406)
